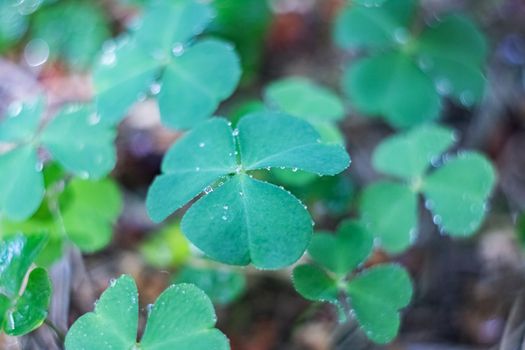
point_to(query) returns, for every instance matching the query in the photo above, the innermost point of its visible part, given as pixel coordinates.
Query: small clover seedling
(375, 295)
(74, 138)
(159, 56)
(304, 99)
(83, 213)
(407, 72)
(74, 31)
(456, 193)
(240, 219)
(23, 306)
(182, 318)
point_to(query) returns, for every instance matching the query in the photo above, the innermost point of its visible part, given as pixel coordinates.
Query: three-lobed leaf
(181, 318)
(74, 138)
(245, 220)
(408, 73)
(456, 193)
(160, 58)
(375, 295)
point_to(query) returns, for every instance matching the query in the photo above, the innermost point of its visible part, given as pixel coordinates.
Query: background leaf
(457, 193)
(80, 143)
(409, 155)
(391, 84)
(376, 296)
(314, 284)
(390, 212)
(343, 252)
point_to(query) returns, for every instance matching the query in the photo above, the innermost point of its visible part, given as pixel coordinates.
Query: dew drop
(39, 166)
(197, 168)
(36, 52)
(443, 86)
(224, 217)
(401, 35)
(208, 189)
(14, 109)
(112, 282)
(437, 220)
(235, 132)
(94, 119)
(177, 49)
(155, 88)
(225, 207)
(149, 307)
(466, 98)
(294, 170)
(202, 144)
(108, 58)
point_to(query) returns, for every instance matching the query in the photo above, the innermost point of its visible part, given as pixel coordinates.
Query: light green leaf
(80, 143)
(409, 155)
(371, 26)
(269, 139)
(195, 161)
(343, 252)
(305, 99)
(74, 31)
(457, 193)
(167, 23)
(193, 85)
(22, 309)
(21, 183)
(122, 76)
(222, 285)
(390, 212)
(29, 310)
(182, 318)
(246, 220)
(314, 284)
(90, 212)
(167, 248)
(21, 121)
(390, 84)
(376, 296)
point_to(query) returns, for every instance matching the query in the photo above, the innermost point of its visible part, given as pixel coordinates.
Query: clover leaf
(23, 307)
(241, 219)
(406, 73)
(456, 192)
(74, 31)
(160, 56)
(181, 318)
(380, 290)
(74, 138)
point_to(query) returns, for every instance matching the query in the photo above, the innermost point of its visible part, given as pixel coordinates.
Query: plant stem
(60, 335)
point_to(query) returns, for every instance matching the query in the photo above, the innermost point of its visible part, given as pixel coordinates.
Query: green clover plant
(456, 192)
(409, 69)
(241, 220)
(23, 305)
(160, 56)
(181, 318)
(74, 138)
(374, 295)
